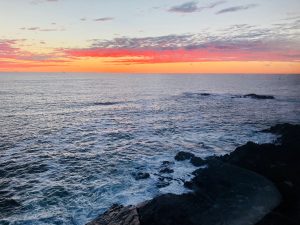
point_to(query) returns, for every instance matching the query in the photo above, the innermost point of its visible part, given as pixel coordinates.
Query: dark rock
(118, 215)
(255, 96)
(6, 204)
(162, 183)
(284, 129)
(166, 163)
(205, 94)
(105, 103)
(141, 175)
(166, 170)
(165, 167)
(181, 156)
(197, 161)
(280, 164)
(289, 134)
(8, 207)
(236, 189)
(224, 194)
(188, 184)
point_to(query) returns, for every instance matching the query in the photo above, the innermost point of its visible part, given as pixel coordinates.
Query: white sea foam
(66, 159)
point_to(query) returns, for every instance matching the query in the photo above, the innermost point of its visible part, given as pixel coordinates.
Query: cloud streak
(192, 6)
(104, 19)
(237, 8)
(35, 2)
(236, 43)
(42, 29)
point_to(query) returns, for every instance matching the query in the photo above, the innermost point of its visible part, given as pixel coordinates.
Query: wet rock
(289, 134)
(141, 175)
(181, 156)
(166, 163)
(197, 161)
(284, 129)
(280, 164)
(223, 194)
(162, 183)
(236, 189)
(105, 103)
(205, 94)
(255, 96)
(166, 170)
(118, 215)
(165, 167)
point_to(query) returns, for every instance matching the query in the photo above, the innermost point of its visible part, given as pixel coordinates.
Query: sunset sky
(157, 36)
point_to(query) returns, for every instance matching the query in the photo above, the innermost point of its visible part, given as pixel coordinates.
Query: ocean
(71, 142)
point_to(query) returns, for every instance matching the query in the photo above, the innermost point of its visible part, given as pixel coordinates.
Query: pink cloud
(12, 56)
(240, 42)
(207, 52)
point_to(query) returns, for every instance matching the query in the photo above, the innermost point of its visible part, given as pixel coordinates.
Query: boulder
(181, 156)
(118, 215)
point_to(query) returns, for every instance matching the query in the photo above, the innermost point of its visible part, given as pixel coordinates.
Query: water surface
(69, 143)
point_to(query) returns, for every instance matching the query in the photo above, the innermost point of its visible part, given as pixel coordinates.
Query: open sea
(69, 143)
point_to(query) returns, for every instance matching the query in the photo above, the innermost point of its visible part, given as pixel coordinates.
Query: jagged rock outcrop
(256, 184)
(118, 215)
(223, 194)
(255, 96)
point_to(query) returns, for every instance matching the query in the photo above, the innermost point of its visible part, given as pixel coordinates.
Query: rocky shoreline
(255, 184)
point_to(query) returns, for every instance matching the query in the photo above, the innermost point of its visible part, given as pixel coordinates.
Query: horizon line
(144, 73)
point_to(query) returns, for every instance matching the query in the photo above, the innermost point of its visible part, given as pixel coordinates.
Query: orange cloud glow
(207, 59)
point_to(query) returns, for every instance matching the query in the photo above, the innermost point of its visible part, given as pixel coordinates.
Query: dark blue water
(69, 143)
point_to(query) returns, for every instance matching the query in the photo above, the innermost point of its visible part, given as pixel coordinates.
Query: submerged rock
(166, 163)
(255, 96)
(105, 103)
(166, 170)
(205, 94)
(162, 183)
(7, 204)
(141, 175)
(165, 167)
